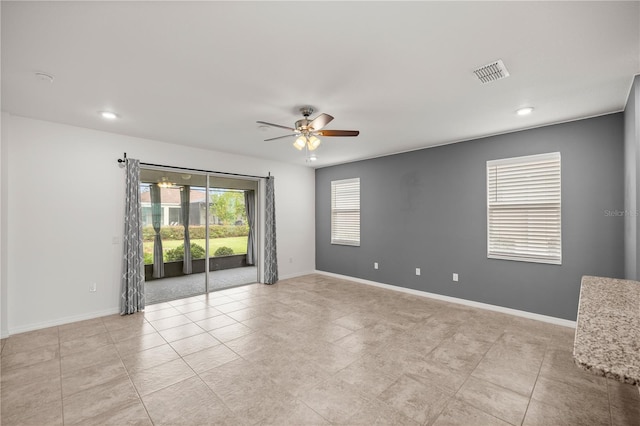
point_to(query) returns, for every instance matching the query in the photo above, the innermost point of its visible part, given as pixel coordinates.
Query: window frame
(553, 201)
(335, 184)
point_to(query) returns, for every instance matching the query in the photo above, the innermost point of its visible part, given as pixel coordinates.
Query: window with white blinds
(523, 209)
(345, 212)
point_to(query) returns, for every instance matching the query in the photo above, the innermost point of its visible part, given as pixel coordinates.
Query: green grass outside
(237, 244)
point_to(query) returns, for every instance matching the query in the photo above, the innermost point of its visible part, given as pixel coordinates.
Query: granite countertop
(607, 339)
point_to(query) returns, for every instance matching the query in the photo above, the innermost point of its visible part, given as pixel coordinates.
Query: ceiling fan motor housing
(302, 125)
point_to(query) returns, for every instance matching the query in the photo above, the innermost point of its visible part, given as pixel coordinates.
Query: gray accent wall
(631, 187)
(427, 209)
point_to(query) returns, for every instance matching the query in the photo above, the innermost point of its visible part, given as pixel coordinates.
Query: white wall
(631, 187)
(65, 207)
(4, 330)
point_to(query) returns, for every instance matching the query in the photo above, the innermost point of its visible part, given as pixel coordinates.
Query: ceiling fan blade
(276, 125)
(281, 137)
(320, 121)
(338, 133)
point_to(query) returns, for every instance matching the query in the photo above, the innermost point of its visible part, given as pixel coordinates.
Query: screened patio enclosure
(198, 232)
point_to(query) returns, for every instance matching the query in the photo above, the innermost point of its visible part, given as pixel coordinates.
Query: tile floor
(308, 351)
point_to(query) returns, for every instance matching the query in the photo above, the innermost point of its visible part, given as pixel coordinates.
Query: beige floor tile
(248, 313)
(209, 358)
(33, 356)
(49, 414)
(131, 414)
(558, 365)
(376, 412)
(85, 344)
(138, 329)
(81, 380)
(627, 415)
(157, 306)
(80, 360)
(625, 403)
(194, 344)
(335, 400)
(161, 376)
(541, 414)
(218, 321)
(201, 314)
(24, 401)
(419, 401)
(458, 413)
(118, 322)
(294, 376)
(505, 375)
(264, 322)
(161, 313)
(495, 400)
(170, 322)
(367, 378)
(593, 403)
(622, 394)
(139, 343)
(47, 370)
(292, 413)
(188, 402)
(149, 358)
(250, 344)
(191, 307)
(319, 350)
(105, 399)
(329, 357)
(82, 329)
(231, 307)
(218, 299)
(24, 342)
(231, 332)
(181, 332)
(236, 376)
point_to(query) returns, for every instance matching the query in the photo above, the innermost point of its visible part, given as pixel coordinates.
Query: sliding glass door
(198, 233)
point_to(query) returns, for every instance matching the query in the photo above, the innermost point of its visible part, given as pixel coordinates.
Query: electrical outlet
(375, 265)
(93, 287)
(455, 277)
(417, 271)
(115, 240)
(291, 260)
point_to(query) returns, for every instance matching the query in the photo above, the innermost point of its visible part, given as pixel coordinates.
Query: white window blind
(523, 209)
(345, 212)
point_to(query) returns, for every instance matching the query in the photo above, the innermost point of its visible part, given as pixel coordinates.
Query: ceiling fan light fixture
(313, 143)
(300, 143)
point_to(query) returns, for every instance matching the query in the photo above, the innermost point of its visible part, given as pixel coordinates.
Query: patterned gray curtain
(132, 283)
(250, 207)
(270, 253)
(185, 197)
(156, 220)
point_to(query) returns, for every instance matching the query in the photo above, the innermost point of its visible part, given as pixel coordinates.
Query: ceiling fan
(307, 130)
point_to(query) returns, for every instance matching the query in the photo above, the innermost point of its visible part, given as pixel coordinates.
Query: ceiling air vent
(492, 72)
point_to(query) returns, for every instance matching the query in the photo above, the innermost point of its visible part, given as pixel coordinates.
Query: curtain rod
(122, 160)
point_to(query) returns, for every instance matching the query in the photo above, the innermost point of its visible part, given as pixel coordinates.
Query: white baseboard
(502, 309)
(4, 334)
(62, 321)
(296, 274)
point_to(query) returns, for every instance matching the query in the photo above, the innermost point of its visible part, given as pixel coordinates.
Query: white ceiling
(202, 73)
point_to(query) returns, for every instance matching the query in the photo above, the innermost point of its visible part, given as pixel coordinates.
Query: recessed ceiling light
(108, 115)
(525, 111)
